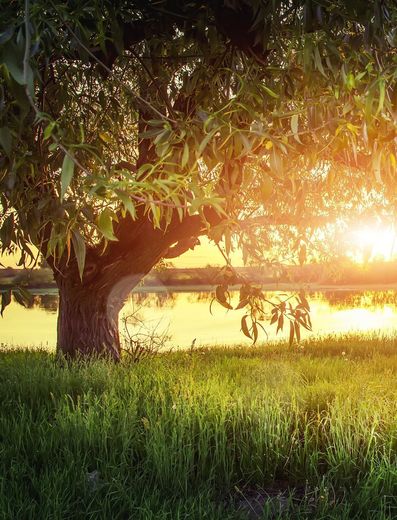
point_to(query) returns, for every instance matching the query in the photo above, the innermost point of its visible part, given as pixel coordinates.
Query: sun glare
(373, 242)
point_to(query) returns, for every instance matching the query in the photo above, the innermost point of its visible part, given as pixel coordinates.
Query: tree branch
(181, 247)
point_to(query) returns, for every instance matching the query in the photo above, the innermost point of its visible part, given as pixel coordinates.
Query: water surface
(185, 316)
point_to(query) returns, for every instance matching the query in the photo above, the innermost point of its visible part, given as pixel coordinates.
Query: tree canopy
(129, 129)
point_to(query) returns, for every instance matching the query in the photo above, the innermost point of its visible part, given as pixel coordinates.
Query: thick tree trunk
(88, 322)
(89, 308)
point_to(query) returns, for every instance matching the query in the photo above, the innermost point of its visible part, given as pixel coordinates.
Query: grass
(266, 432)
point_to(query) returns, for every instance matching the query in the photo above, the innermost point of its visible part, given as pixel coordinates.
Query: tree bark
(88, 322)
(89, 307)
(88, 315)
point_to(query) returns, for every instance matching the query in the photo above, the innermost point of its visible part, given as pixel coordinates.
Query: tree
(129, 129)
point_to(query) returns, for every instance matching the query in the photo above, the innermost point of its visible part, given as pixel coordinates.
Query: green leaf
(254, 331)
(297, 332)
(299, 320)
(244, 327)
(304, 301)
(162, 149)
(280, 323)
(163, 136)
(12, 56)
(105, 224)
(6, 140)
(350, 81)
(242, 304)
(106, 137)
(27, 295)
(221, 296)
(66, 174)
(156, 213)
(7, 231)
(127, 202)
(5, 300)
(382, 93)
(23, 296)
(18, 298)
(48, 130)
(270, 92)
(148, 134)
(291, 333)
(185, 155)
(79, 250)
(295, 127)
(206, 140)
(318, 62)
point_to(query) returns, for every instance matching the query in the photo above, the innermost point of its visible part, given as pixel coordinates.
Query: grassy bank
(221, 434)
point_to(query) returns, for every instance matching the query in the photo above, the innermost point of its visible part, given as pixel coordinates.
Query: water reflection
(364, 299)
(186, 316)
(159, 299)
(48, 302)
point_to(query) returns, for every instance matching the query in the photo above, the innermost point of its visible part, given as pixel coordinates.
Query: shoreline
(271, 287)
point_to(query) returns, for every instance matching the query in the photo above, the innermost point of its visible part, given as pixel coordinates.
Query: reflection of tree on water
(200, 296)
(335, 299)
(153, 299)
(363, 299)
(48, 302)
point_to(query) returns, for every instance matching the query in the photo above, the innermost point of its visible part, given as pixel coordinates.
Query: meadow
(268, 432)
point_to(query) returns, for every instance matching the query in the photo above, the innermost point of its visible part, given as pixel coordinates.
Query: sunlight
(373, 242)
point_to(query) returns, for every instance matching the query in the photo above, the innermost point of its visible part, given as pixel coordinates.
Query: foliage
(254, 300)
(174, 435)
(20, 294)
(258, 122)
(322, 88)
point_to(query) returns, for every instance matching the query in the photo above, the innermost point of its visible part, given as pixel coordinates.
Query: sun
(371, 242)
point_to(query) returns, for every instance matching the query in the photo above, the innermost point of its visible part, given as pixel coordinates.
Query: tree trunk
(88, 322)
(88, 315)
(89, 308)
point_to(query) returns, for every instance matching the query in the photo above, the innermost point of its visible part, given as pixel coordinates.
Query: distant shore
(311, 277)
(273, 287)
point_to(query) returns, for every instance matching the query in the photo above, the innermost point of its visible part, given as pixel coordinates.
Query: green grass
(200, 436)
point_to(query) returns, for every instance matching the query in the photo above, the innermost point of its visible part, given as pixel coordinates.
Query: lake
(185, 316)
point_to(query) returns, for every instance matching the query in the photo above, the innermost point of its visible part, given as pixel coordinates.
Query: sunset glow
(372, 242)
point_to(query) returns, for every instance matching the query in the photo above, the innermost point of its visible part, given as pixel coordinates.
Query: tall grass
(196, 435)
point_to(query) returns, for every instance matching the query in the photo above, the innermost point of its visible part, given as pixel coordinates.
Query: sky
(371, 242)
(204, 254)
